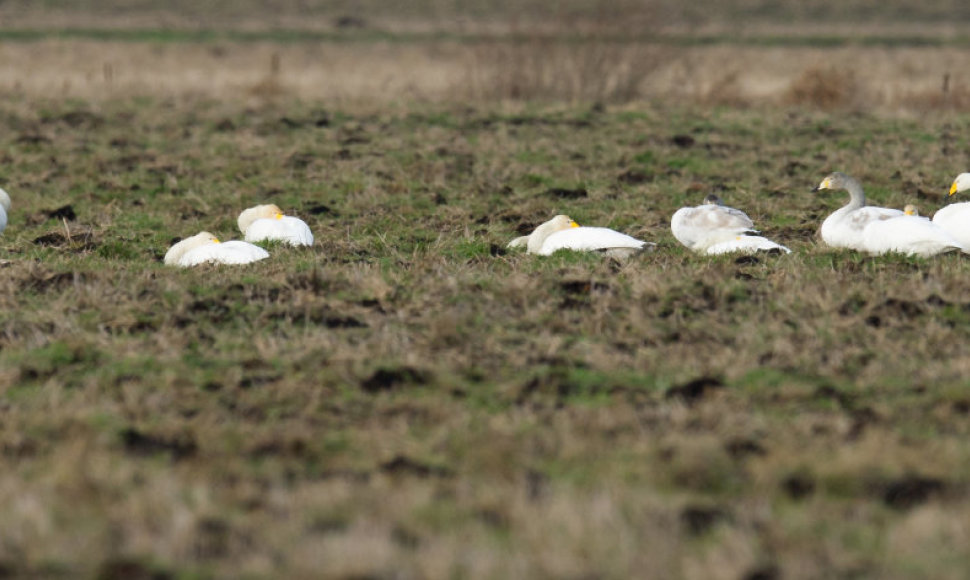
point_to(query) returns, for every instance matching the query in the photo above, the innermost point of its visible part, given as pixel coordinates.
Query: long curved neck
(4, 200)
(538, 236)
(176, 252)
(857, 197)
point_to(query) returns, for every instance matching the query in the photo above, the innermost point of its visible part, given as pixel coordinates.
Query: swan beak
(953, 188)
(216, 241)
(573, 225)
(279, 216)
(824, 185)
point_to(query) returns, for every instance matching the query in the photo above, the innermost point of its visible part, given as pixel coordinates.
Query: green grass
(410, 396)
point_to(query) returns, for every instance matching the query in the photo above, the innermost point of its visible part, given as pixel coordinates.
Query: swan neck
(857, 197)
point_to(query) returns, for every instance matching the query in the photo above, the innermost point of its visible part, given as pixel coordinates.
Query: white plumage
(713, 228)
(955, 218)
(746, 245)
(908, 234)
(4, 208)
(588, 239)
(267, 222)
(562, 233)
(204, 248)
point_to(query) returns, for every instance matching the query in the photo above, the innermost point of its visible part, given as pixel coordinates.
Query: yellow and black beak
(573, 224)
(953, 188)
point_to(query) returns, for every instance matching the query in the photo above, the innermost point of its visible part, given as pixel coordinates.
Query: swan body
(714, 228)
(845, 227)
(204, 248)
(267, 222)
(955, 218)
(562, 233)
(746, 245)
(4, 208)
(908, 234)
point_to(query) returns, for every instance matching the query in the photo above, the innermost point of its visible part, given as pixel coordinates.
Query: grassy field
(410, 399)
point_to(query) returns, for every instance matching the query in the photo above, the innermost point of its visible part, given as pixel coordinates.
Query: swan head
(178, 250)
(268, 211)
(712, 199)
(910, 209)
(539, 235)
(961, 183)
(836, 180)
(4, 200)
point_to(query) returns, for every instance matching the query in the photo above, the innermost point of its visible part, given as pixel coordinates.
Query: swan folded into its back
(713, 228)
(562, 233)
(204, 248)
(909, 234)
(267, 222)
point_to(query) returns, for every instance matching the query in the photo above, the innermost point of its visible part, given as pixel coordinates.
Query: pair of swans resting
(260, 223)
(712, 229)
(881, 230)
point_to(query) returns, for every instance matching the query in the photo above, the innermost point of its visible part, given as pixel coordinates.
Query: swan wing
(588, 239)
(747, 245)
(845, 227)
(955, 219)
(286, 229)
(705, 225)
(909, 235)
(234, 252)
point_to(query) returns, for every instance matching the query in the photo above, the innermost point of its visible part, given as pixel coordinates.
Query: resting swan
(562, 233)
(4, 208)
(205, 248)
(955, 218)
(844, 228)
(267, 222)
(908, 234)
(713, 228)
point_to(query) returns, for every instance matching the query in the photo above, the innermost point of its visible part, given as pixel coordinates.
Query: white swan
(844, 228)
(908, 234)
(4, 208)
(562, 233)
(205, 248)
(713, 228)
(267, 222)
(955, 218)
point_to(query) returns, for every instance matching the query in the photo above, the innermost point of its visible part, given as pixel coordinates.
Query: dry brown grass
(824, 88)
(376, 75)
